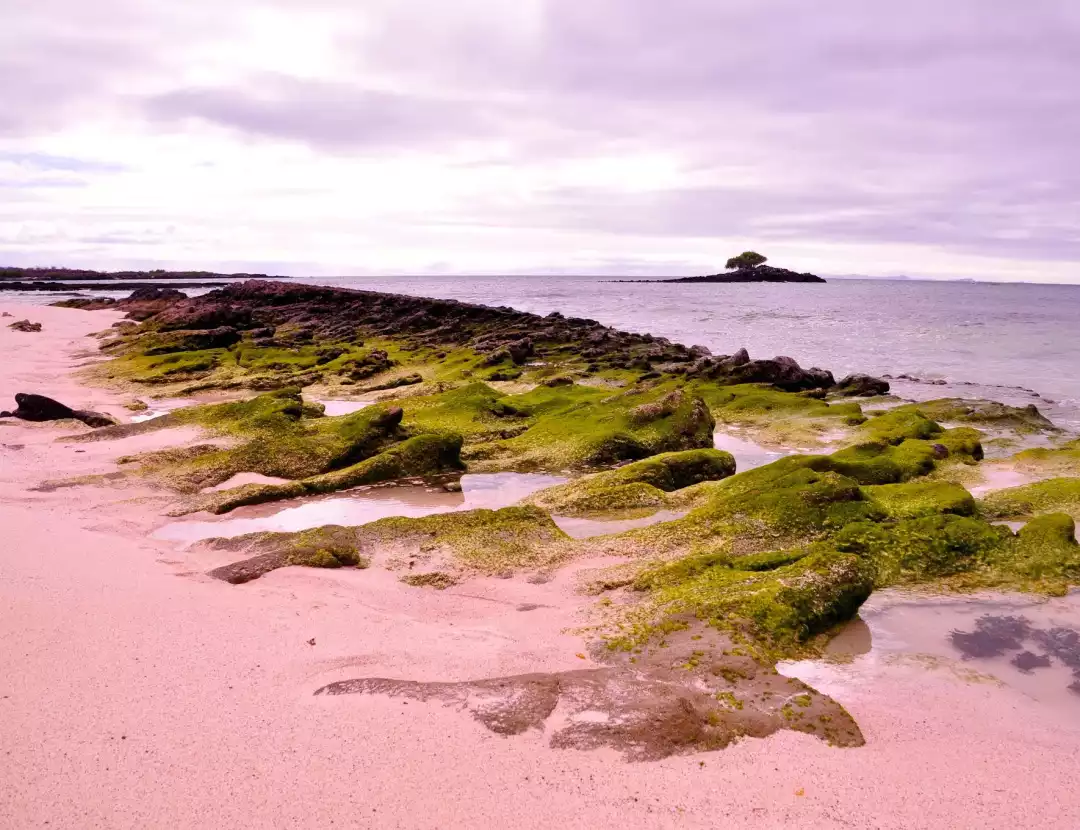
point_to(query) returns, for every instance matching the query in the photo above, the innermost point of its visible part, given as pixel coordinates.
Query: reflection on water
(334, 408)
(363, 505)
(579, 528)
(1031, 645)
(747, 454)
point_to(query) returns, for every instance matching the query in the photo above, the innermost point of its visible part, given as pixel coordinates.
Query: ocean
(1017, 343)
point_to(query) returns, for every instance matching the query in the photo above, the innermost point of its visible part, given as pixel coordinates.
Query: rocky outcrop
(25, 325)
(861, 386)
(183, 341)
(781, 372)
(762, 273)
(32, 407)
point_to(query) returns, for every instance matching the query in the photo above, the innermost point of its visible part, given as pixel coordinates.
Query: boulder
(782, 372)
(25, 325)
(861, 385)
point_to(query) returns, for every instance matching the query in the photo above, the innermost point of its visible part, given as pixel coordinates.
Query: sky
(927, 138)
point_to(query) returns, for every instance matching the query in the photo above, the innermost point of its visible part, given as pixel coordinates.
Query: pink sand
(137, 693)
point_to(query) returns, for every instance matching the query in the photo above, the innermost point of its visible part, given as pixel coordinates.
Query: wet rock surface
(694, 695)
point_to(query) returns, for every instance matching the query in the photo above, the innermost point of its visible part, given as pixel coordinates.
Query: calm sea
(1013, 342)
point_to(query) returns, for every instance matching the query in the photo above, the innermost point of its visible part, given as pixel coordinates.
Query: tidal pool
(1031, 645)
(362, 505)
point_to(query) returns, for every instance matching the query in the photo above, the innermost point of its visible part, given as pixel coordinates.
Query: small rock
(25, 325)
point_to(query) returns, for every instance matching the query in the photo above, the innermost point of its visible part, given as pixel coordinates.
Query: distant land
(34, 274)
(761, 273)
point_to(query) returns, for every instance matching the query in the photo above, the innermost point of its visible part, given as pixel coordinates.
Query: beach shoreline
(137, 691)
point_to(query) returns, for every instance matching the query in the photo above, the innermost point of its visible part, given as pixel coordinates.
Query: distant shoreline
(37, 274)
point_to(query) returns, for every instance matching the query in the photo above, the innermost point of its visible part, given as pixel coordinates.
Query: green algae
(1051, 496)
(636, 485)
(1052, 461)
(1023, 420)
(916, 499)
(494, 542)
(422, 456)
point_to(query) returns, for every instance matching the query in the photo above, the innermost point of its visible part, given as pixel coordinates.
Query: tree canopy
(747, 259)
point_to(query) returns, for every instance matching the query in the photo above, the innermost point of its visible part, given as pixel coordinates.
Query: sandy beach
(135, 691)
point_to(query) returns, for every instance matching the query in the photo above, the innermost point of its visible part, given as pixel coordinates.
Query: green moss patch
(636, 485)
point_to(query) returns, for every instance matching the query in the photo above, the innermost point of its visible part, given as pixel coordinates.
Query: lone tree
(748, 260)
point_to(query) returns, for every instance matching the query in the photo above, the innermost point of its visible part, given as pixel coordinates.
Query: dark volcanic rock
(25, 325)
(183, 341)
(300, 313)
(861, 385)
(763, 273)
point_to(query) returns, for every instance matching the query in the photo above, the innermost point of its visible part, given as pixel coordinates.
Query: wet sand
(137, 692)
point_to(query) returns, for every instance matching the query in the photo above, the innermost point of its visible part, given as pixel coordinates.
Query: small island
(748, 266)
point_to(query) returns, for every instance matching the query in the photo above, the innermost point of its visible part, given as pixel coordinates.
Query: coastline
(140, 692)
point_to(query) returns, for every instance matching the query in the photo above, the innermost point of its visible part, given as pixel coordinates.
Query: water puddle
(335, 408)
(578, 528)
(747, 454)
(361, 506)
(998, 477)
(240, 479)
(163, 407)
(1028, 644)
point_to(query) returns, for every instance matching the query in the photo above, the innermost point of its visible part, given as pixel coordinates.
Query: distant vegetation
(747, 260)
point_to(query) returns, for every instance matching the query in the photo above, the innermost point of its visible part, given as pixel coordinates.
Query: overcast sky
(930, 137)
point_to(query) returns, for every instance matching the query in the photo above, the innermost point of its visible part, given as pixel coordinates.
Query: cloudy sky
(933, 138)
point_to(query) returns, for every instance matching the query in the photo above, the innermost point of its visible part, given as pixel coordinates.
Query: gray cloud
(945, 124)
(330, 115)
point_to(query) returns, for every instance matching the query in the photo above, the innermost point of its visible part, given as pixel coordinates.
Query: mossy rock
(1056, 461)
(1021, 419)
(916, 499)
(773, 611)
(639, 484)
(1051, 496)
(493, 542)
(331, 546)
(419, 457)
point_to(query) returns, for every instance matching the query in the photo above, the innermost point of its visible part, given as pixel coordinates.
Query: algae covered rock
(639, 484)
(184, 341)
(1053, 495)
(493, 542)
(424, 455)
(1023, 419)
(1057, 461)
(331, 546)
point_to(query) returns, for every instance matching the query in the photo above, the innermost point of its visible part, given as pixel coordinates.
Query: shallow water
(1030, 645)
(579, 528)
(363, 505)
(746, 453)
(335, 408)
